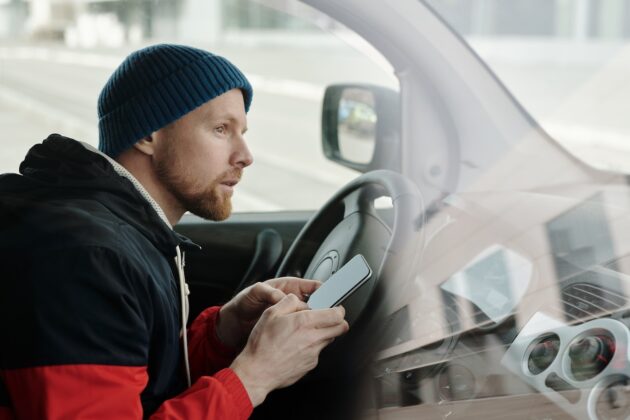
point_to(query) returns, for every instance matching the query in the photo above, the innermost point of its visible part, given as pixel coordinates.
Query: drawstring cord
(183, 294)
(179, 258)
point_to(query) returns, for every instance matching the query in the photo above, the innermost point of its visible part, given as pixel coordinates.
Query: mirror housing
(366, 116)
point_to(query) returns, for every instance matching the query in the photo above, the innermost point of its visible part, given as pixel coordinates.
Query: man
(92, 293)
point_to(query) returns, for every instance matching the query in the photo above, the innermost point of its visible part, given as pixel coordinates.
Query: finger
(325, 334)
(289, 304)
(297, 286)
(308, 287)
(324, 318)
(267, 294)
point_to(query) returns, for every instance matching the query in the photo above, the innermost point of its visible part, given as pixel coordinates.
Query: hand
(239, 315)
(285, 345)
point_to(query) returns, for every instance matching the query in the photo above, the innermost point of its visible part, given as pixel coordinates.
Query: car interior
(473, 152)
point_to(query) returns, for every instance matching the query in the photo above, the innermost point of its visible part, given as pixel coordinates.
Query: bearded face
(200, 158)
(208, 199)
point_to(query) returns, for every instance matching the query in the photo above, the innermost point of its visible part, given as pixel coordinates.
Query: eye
(220, 129)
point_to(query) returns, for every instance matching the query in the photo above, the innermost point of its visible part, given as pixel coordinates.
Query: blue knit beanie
(157, 85)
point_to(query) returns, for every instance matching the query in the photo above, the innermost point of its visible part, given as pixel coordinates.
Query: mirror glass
(357, 125)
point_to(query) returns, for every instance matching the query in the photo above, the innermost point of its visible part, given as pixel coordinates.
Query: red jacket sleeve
(102, 391)
(206, 352)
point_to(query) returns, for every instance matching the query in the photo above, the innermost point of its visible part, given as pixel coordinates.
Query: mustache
(234, 174)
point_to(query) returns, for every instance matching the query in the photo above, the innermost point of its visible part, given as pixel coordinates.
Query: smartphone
(341, 284)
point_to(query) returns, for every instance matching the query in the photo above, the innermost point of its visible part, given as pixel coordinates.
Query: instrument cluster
(582, 368)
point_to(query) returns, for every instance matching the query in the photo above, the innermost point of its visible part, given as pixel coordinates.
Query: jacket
(90, 307)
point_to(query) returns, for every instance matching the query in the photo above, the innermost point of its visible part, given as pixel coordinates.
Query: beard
(206, 201)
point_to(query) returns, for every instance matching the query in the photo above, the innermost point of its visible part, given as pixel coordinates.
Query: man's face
(200, 157)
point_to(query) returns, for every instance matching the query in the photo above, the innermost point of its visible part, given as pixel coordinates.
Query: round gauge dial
(590, 354)
(613, 403)
(543, 353)
(455, 382)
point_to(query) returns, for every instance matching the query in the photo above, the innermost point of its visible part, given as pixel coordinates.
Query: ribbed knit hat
(157, 85)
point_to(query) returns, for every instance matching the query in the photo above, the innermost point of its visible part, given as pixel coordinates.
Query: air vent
(585, 300)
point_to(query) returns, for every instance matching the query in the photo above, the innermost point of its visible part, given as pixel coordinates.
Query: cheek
(204, 165)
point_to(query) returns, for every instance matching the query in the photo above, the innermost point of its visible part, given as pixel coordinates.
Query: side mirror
(361, 127)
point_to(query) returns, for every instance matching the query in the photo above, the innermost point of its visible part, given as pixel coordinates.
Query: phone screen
(341, 284)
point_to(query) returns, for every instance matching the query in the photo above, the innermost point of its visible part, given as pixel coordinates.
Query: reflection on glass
(575, 366)
(410, 388)
(543, 353)
(397, 328)
(562, 60)
(451, 310)
(614, 400)
(388, 391)
(580, 241)
(590, 355)
(455, 382)
(494, 282)
(357, 125)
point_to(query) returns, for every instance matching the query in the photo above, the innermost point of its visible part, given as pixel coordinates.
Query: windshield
(518, 304)
(566, 62)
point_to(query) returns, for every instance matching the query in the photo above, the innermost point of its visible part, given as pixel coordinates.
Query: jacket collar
(122, 171)
(63, 167)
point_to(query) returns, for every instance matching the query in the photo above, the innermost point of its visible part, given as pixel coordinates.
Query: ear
(146, 145)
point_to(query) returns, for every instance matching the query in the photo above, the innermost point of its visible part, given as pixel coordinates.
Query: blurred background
(566, 61)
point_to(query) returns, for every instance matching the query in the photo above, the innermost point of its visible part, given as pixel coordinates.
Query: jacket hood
(61, 168)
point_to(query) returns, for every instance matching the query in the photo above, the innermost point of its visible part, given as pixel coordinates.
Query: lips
(231, 178)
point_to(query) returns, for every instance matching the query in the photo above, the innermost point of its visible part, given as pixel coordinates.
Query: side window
(291, 53)
(56, 56)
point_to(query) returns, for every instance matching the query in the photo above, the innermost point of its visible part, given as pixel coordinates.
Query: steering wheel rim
(312, 246)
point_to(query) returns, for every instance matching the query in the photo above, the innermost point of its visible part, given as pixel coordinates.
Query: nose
(243, 156)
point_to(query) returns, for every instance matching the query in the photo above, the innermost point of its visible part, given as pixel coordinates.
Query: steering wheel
(348, 224)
